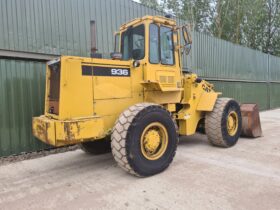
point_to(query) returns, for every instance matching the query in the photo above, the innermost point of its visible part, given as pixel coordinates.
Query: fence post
(268, 83)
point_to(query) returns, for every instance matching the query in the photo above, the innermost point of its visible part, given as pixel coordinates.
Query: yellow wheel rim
(154, 140)
(232, 123)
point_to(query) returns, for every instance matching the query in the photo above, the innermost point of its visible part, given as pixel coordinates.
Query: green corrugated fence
(63, 26)
(212, 57)
(22, 86)
(247, 75)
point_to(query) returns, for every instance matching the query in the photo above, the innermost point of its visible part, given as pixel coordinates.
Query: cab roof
(157, 19)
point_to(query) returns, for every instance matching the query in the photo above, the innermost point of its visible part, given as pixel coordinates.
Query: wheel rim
(232, 123)
(154, 141)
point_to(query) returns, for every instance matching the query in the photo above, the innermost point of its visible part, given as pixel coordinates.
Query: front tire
(144, 139)
(223, 124)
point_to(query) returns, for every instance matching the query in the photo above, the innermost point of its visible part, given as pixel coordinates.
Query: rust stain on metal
(41, 131)
(46, 132)
(251, 124)
(78, 128)
(68, 127)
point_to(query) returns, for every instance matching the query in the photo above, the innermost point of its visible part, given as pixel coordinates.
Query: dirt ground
(246, 176)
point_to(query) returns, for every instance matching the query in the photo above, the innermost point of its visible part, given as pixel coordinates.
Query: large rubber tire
(97, 147)
(216, 123)
(126, 135)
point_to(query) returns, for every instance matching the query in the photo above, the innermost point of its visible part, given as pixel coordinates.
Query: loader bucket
(251, 124)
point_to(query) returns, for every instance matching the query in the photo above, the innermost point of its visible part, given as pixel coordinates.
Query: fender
(207, 101)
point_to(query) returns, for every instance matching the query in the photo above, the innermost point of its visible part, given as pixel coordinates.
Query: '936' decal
(105, 71)
(120, 72)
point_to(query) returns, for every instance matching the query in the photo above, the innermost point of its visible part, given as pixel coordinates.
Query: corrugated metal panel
(274, 68)
(63, 26)
(212, 57)
(22, 85)
(274, 95)
(244, 92)
(274, 75)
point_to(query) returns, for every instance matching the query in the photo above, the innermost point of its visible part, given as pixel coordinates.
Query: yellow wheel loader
(136, 104)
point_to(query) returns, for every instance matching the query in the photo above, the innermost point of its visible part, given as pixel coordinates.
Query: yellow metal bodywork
(64, 132)
(198, 97)
(89, 105)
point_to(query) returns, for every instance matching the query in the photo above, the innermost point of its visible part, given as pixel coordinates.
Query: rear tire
(97, 147)
(223, 124)
(144, 139)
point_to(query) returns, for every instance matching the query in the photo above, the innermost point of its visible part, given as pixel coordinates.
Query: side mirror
(187, 38)
(116, 55)
(138, 54)
(186, 35)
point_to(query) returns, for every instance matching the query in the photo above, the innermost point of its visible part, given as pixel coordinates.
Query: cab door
(162, 76)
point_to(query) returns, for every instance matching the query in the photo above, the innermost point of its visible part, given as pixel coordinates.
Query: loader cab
(151, 44)
(151, 38)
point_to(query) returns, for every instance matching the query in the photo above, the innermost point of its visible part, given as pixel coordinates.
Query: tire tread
(120, 131)
(213, 123)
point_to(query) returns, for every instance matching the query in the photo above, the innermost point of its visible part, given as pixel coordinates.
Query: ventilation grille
(166, 79)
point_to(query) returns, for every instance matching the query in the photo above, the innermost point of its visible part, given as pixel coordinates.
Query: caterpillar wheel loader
(137, 103)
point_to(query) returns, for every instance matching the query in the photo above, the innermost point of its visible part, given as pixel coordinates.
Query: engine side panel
(198, 98)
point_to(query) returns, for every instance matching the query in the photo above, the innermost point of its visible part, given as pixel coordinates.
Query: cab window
(161, 47)
(166, 46)
(154, 44)
(133, 43)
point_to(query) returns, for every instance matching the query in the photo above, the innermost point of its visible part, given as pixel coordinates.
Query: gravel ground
(246, 176)
(32, 155)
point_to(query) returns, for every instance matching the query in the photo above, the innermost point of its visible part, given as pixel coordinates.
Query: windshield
(133, 43)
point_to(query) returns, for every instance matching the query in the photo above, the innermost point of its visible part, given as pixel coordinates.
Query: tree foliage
(198, 13)
(252, 23)
(150, 3)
